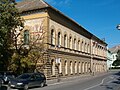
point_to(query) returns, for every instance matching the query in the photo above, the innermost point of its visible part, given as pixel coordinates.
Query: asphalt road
(109, 81)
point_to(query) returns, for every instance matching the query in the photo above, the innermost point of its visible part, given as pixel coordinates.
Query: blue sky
(100, 17)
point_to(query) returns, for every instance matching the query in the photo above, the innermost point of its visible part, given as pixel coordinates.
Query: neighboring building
(114, 51)
(109, 59)
(67, 43)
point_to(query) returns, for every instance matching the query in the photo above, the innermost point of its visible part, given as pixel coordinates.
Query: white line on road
(96, 85)
(55, 83)
(64, 82)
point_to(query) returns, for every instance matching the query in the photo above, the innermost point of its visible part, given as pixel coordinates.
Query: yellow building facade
(71, 49)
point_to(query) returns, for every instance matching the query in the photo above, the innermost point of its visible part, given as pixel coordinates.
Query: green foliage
(117, 61)
(19, 63)
(16, 57)
(9, 21)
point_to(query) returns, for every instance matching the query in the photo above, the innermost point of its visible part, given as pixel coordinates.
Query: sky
(99, 17)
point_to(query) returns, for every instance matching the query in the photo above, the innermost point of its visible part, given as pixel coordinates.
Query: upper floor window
(85, 47)
(78, 45)
(82, 46)
(59, 39)
(75, 44)
(88, 48)
(26, 37)
(52, 37)
(70, 42)
(65, 40)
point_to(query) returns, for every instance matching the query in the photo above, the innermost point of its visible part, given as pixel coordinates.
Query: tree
(117, 61)
(9, 20)
(28, 54)
(15, 55)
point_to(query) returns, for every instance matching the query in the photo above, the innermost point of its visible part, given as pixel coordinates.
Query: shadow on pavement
(111, 85)
(117, 74)
(3, 88)
(116, 82)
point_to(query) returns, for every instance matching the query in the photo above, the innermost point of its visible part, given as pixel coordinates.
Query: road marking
(111, 77)
(96, 85)
(56, 83)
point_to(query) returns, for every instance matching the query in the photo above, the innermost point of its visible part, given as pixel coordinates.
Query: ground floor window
(60, 67)
(66, 67)
(53, 67)
(71, 69)
(79, 67)
(75, 67)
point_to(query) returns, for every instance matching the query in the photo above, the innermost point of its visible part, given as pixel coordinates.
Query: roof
(29, 5)
(115, 49)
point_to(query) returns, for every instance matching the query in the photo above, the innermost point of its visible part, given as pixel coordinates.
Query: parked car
(1, 81)
(28, 80)
(6, 75)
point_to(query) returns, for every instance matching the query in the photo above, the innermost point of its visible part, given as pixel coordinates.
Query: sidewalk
(81, 77)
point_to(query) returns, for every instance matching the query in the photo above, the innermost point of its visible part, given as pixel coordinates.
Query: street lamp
(118, 27)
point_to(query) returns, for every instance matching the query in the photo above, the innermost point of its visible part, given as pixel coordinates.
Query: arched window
(75, 44)
(52, 37)
(60, 67)
(75, 67)
(85, 47)
(88, 49)
(79, 67)
(65, 41)
(59, 39)
(53, 67)
(70, 42)
(26, 37)
(82, 67)
(71, 67)
(82, 46)
(66, 72)
(78, 45)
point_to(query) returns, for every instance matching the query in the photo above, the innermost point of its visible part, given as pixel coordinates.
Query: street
(107, 81)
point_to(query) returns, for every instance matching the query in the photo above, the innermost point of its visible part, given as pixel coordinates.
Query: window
(52, 37)
(82, 46)
(88, 48)
(78, 45)
(60, 67)
(26, 37)
(65, 41)
(75, 44)
(75, 67)
(85, 47)
(66, 67)
(71, 69)
(82, 66)
(79, 67)
(70, 43)
(113, 56)
(59, 39)
(53, 67)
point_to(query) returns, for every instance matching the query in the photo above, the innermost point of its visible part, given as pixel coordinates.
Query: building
(109, 59)
(71, 49)
(114, 51)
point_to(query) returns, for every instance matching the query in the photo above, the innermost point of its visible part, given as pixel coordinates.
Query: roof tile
(28, 5)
